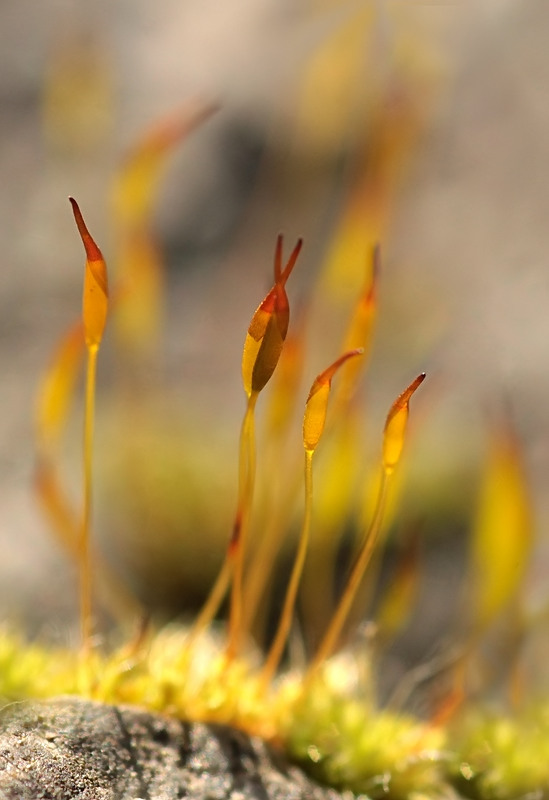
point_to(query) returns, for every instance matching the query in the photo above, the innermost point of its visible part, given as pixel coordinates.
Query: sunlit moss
(347, 741)
(340, 738)
(499, 756)
(331, 725)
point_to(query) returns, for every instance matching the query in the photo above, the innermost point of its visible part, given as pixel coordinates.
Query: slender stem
(211, 606)
(84, 544)
(277, 647)
(238, 545)
(265, 555)
(246, 469)
(333, 633)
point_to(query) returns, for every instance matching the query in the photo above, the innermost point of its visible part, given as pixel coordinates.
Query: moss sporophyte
(323, 710)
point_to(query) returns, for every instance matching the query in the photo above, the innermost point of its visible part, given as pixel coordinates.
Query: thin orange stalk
(262, 350)
(265, 555)
(282, 491)
(277, 647)
(213, 601)
(84, 555)
(393, 442)
(359, 333)
(234, 558)
(57, 391)
(238, 543)
(313, 426)
(233, 562)
(333, 633)
(94, 317)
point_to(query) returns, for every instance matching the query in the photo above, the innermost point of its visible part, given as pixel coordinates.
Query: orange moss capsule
(317, 401)
(57, 389)
(96, 291)
(138, 262)
(269, 326)
(395, 426)
(262, 350)
(137, 180)
(502, 532)
(393, 442)
(50, 494)
(313, 425)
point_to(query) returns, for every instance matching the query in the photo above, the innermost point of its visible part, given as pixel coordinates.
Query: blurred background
(453, 95)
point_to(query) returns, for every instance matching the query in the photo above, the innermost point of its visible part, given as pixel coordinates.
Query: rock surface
(72, 749)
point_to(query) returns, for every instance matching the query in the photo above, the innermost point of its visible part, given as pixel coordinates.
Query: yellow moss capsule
(139, 267)
(268, 328)
(317, 402)
(502, 532)
(58, 385)
(394, 433)
(262, 349)
(137, 180)
(96, 293)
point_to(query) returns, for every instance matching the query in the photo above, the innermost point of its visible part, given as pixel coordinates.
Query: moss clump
(329, 725)
(500, 757)
(346, 741)
(342, 740)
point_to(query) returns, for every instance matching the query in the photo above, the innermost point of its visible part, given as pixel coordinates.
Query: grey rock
(73, 749)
